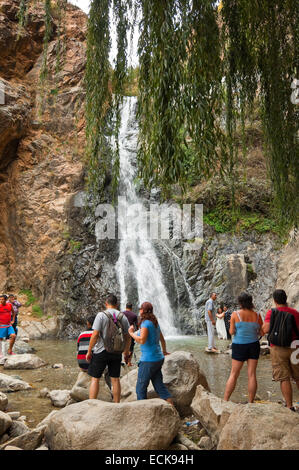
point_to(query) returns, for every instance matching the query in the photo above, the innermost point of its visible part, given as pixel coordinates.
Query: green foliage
(30, 297)
(74, 246)
(37, 311)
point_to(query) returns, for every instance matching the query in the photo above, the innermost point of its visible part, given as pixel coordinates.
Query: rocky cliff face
(47, 238)
(41, 143)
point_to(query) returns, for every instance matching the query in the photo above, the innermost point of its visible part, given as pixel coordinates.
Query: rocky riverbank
(201, 420)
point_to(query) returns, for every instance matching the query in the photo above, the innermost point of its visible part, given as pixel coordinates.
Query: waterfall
(138, 268)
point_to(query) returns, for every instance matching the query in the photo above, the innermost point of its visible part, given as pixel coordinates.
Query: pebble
(57, 366)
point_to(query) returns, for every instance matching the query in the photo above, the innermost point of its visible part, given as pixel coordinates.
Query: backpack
(282, 326)
(114, 339)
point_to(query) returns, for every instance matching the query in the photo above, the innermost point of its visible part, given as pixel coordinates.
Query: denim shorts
(243, 352)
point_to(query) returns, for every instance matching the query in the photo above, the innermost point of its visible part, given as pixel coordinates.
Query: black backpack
(282, 327)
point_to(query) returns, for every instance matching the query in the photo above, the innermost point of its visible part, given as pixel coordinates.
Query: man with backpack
(108, 341)
(282, 325)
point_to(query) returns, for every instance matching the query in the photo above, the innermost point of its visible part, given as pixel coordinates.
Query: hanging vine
(201, 70)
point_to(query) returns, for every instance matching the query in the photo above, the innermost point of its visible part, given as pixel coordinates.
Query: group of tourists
(112, 333)
(9, 310)
(281, 324)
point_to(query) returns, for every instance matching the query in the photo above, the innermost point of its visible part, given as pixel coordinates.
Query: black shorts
(99, 362)
(243, 352)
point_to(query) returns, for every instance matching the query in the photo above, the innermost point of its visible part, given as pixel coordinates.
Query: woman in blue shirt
(246, 326)
(152, 358)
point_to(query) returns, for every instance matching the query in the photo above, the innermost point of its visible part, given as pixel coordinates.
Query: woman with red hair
(149, 337)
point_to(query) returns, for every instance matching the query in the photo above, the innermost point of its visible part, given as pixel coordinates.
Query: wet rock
(24, 361)
(181, 374)
(96, 425)
(260, 427)
(5, 422)
(22, 347)
(11, 384)
(59, 398)
(212, 412)
(44, 393)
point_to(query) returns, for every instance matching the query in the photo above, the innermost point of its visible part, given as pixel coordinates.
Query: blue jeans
(151, 371)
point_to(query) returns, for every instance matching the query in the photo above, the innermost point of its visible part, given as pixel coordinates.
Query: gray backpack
(114, 339)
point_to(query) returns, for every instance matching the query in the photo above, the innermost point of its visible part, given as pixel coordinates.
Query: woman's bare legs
(252, 383)
(231, 383)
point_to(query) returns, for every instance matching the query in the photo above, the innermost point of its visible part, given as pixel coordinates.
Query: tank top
(246, 332)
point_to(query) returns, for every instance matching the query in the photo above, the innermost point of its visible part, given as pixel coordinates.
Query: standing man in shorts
(6, 329)
(285, 365)
(97, 355)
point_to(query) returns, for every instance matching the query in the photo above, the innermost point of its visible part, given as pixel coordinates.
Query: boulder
(46, 420)
(181, 375)
(212, 412)
(28, 441)
(80, 390)
(98, 425)
(11, 384)
(3, 401)
(23, 361)
(59, 398)
(267, 426)
(22, 347)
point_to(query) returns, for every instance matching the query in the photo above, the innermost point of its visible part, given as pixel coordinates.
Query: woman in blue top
(149, 337)
(246, 326)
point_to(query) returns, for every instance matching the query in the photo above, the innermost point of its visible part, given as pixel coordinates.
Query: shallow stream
(215, 366)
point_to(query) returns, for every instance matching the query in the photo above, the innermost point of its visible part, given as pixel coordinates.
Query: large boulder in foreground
(23, 361)
(212, 412)
(267, 426)
(80, 390)
(98, 425)
(181, 375)
(3, 401)
(11, 384)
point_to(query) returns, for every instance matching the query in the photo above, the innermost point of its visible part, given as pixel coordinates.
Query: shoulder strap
(239, 315)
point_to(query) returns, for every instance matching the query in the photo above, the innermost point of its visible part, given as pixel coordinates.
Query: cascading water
(138, 268)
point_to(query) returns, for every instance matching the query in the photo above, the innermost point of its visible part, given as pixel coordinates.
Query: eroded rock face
(96, 425)
(181, 375)
(260, 427)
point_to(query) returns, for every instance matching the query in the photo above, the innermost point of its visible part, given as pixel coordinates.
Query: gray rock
(28, 441)
(96, 425)
(14, 414)
(17, 429)
(11, 384)
(181, 375)
(24, 361)
(59, 398)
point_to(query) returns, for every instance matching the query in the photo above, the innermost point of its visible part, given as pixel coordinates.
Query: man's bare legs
(12, 339)
(94, 389)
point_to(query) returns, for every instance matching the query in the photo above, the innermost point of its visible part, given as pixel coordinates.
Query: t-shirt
(100, 324)
(209, 306)
(151, 350)
(288, 310)
(131, 316)
(5, 313)
(82, 348)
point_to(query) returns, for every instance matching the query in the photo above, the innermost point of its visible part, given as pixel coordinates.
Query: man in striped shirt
(83, 343)
(82, 348)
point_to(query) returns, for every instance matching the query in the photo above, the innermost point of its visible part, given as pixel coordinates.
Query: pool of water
(215, 366)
